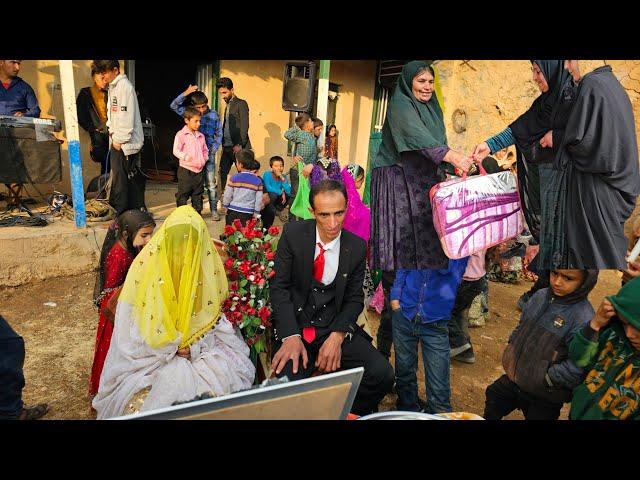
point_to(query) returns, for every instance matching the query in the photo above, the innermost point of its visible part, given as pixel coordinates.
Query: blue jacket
(537, 355)
(20, 97)
(430, 293)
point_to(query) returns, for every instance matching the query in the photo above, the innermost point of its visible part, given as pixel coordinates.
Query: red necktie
(309, 333)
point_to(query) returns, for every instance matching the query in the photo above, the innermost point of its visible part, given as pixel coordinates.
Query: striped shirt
(502, 140)
(243, 193)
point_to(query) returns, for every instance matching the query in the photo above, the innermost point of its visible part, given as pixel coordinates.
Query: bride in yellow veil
(170, 335)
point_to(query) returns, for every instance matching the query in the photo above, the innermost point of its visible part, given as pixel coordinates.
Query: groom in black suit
(317, 297)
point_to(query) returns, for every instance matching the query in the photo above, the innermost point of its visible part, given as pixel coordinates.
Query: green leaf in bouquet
(259, 346)
(243, 283)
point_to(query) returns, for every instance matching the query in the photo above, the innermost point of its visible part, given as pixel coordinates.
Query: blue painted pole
(73, 138)
(77, 186)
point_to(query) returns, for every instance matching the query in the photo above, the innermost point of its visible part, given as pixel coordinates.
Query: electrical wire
(19, 220)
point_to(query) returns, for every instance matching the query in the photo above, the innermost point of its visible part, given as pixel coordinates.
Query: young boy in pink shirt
(191, 149)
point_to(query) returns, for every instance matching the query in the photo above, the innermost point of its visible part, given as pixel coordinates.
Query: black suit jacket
(290, 288)
(238, 122)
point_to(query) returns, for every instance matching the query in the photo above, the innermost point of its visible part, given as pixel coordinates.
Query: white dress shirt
(331, 257)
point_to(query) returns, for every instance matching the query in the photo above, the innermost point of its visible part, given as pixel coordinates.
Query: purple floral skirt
(402, 231)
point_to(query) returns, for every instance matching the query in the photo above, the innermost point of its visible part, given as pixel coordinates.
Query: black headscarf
(581, 293)
(599, 152)
(529, 128)
(128, 222)
(538, 120)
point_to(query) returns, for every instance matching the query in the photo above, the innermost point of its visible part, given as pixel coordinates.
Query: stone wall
(485, 96)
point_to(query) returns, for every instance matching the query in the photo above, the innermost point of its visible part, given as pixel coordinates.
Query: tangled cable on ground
(9, 220)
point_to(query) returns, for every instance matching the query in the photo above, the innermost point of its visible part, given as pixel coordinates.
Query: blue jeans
(210, 181)
(434, 339)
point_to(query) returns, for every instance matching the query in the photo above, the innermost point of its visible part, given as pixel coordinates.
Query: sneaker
(465, 357)
(458, 350)
(215, 216)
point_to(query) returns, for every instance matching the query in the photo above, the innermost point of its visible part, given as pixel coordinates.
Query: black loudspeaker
(298, 86)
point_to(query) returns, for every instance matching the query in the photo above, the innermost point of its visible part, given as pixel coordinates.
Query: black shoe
(455, 351)
(466, 357)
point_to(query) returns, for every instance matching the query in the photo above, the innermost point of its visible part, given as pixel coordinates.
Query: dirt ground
(60, 342)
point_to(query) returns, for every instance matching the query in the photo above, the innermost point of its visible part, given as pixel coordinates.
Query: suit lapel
(308, 254)
(343, 269)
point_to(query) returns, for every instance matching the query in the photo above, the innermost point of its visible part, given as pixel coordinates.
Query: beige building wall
(493, 93)
(354, 109)
(44, 78)
(259, 82)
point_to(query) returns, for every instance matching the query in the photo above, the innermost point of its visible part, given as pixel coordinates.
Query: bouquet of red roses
(249, 267)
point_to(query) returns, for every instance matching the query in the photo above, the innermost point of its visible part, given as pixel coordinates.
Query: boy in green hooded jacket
(608, 347)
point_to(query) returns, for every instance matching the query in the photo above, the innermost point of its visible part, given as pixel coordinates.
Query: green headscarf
(627, 302)
(410, 124)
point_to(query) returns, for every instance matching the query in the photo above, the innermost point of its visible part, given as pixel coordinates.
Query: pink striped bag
(475, 213)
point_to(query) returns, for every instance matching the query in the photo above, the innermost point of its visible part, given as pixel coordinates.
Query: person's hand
(117, 146)
(459, 160)
(603, 315)
(18, 114)
(236, 148)
(298, 158)
(184, 353)
(330, 353)
(480, 152)
(221, 248)
(306, 171)
(190, 89)
(292, 349)
(395, 305)
(284, 197)
(633, 268)
(531, 252)
(547, 140)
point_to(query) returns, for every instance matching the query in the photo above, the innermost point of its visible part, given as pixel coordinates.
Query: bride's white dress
(219, 364)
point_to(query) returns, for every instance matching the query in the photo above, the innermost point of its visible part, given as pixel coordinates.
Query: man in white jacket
(125, 137)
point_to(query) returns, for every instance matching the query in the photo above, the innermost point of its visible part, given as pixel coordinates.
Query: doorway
(158, 82)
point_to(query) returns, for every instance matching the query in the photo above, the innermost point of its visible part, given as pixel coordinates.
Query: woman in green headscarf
(413, 157)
